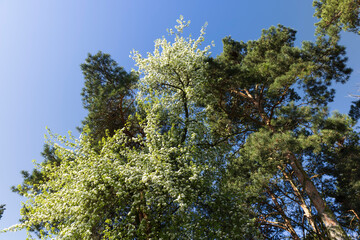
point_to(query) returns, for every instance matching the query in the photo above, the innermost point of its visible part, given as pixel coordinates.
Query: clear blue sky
(42, 44)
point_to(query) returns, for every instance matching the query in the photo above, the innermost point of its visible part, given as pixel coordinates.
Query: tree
(253, 84)
(343, 165)
(336, 16)
(108, 95)
(240, 146)
(168, 187)
(31, 184)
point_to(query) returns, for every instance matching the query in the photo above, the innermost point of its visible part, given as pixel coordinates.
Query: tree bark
(332, 226)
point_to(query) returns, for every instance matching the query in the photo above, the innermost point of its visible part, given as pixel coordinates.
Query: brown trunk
(332, 226)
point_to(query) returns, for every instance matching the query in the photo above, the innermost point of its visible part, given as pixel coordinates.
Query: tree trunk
(332, 226)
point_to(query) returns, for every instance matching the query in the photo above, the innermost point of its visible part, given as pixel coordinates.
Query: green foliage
(169, 186)
(253, 84)
(335, 16)
(32, 182)
(355, 110)
(272, 64)
(36, 177)
(240, 146)
(343, 164)
(108, 95)
(2, 209)
(109, 98)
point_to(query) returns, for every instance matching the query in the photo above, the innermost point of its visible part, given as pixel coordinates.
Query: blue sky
(42, 44)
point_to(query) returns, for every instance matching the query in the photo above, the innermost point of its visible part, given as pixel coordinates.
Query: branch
(173, 86)
(278, 102)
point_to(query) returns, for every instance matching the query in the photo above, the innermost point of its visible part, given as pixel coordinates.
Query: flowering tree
(210, 148)
(166, 186)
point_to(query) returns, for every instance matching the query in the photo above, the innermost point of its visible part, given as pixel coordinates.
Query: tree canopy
(191, 146)
(108, 95)
(336, 16)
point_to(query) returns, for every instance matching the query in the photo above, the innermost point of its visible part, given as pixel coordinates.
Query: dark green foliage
(343, 165)
(2, 209)
(355, 110)
(335, 16)
(329, 65)
(347, 171)
(270, 69)
(108, 95)
(31, 180)
(254, 86)
(34, 179)
(268, 102)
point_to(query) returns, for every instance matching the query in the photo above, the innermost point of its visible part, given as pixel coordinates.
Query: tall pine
(254, 85)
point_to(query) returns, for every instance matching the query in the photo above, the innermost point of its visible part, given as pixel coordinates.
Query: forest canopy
(194, 146)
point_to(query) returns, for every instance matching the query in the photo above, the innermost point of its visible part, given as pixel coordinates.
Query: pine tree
(253, 84)
(336, 16)
(343, 163)
(108, 95)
